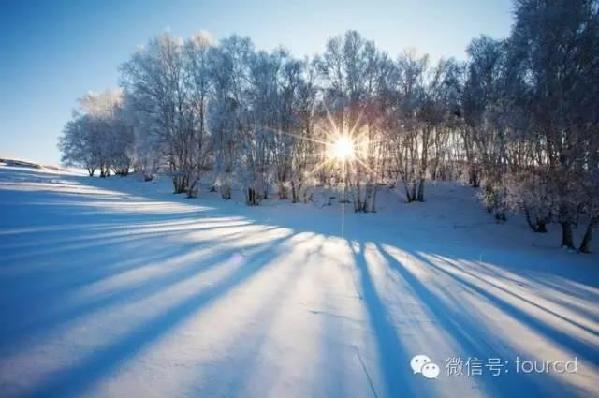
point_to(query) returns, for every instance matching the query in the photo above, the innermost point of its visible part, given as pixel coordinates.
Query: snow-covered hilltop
(116, 287)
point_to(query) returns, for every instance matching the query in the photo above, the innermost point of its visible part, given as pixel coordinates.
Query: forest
(518, 119)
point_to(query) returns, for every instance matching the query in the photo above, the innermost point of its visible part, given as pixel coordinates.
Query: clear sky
(52, 52)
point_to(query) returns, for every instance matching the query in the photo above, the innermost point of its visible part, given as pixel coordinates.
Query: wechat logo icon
(425, 366)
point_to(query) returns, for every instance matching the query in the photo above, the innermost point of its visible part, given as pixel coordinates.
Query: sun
(342, 148)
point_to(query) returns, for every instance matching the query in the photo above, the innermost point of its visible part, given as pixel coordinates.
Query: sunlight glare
(342, 148)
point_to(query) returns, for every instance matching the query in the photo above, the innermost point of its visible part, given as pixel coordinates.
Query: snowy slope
(114, 287)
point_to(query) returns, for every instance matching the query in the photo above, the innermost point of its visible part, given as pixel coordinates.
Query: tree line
(519, 118)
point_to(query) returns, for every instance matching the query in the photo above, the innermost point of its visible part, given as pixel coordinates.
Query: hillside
(118, 287)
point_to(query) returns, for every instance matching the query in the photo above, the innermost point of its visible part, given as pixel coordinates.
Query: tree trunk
(252, 198)
(192, 190)
(500, 216)
(226, 192)
(294, 196)
(373, 200)
(410, 192)
(567, 237)
(420, 196)
(585, 245)
(226, 185)
(541, 226)
(282, 191)
(179, 185)
(408, 198)
(538, 225)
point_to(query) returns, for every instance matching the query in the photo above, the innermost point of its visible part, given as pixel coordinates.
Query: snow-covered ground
(115, 287)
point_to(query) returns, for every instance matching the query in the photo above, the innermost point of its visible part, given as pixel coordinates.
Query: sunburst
(342, 146)
(342, 149)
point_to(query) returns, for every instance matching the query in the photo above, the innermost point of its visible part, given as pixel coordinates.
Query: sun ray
(365, 165)
(298, 136)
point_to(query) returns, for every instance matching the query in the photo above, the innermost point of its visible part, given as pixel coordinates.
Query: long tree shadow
(120, 257)
(53, 285)
(533, 266)
(393, 359)
(477, 341)
(130, 293)
(582, 349)
(508, 292)
(31, 244)
(85, 208)
(267, 314)
(75, 379)
(533, 282)
(588, 292)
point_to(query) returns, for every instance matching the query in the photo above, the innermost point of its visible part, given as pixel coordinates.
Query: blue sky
(52, 52)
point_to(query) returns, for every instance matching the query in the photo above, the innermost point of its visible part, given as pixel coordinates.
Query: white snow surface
(118, 288)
